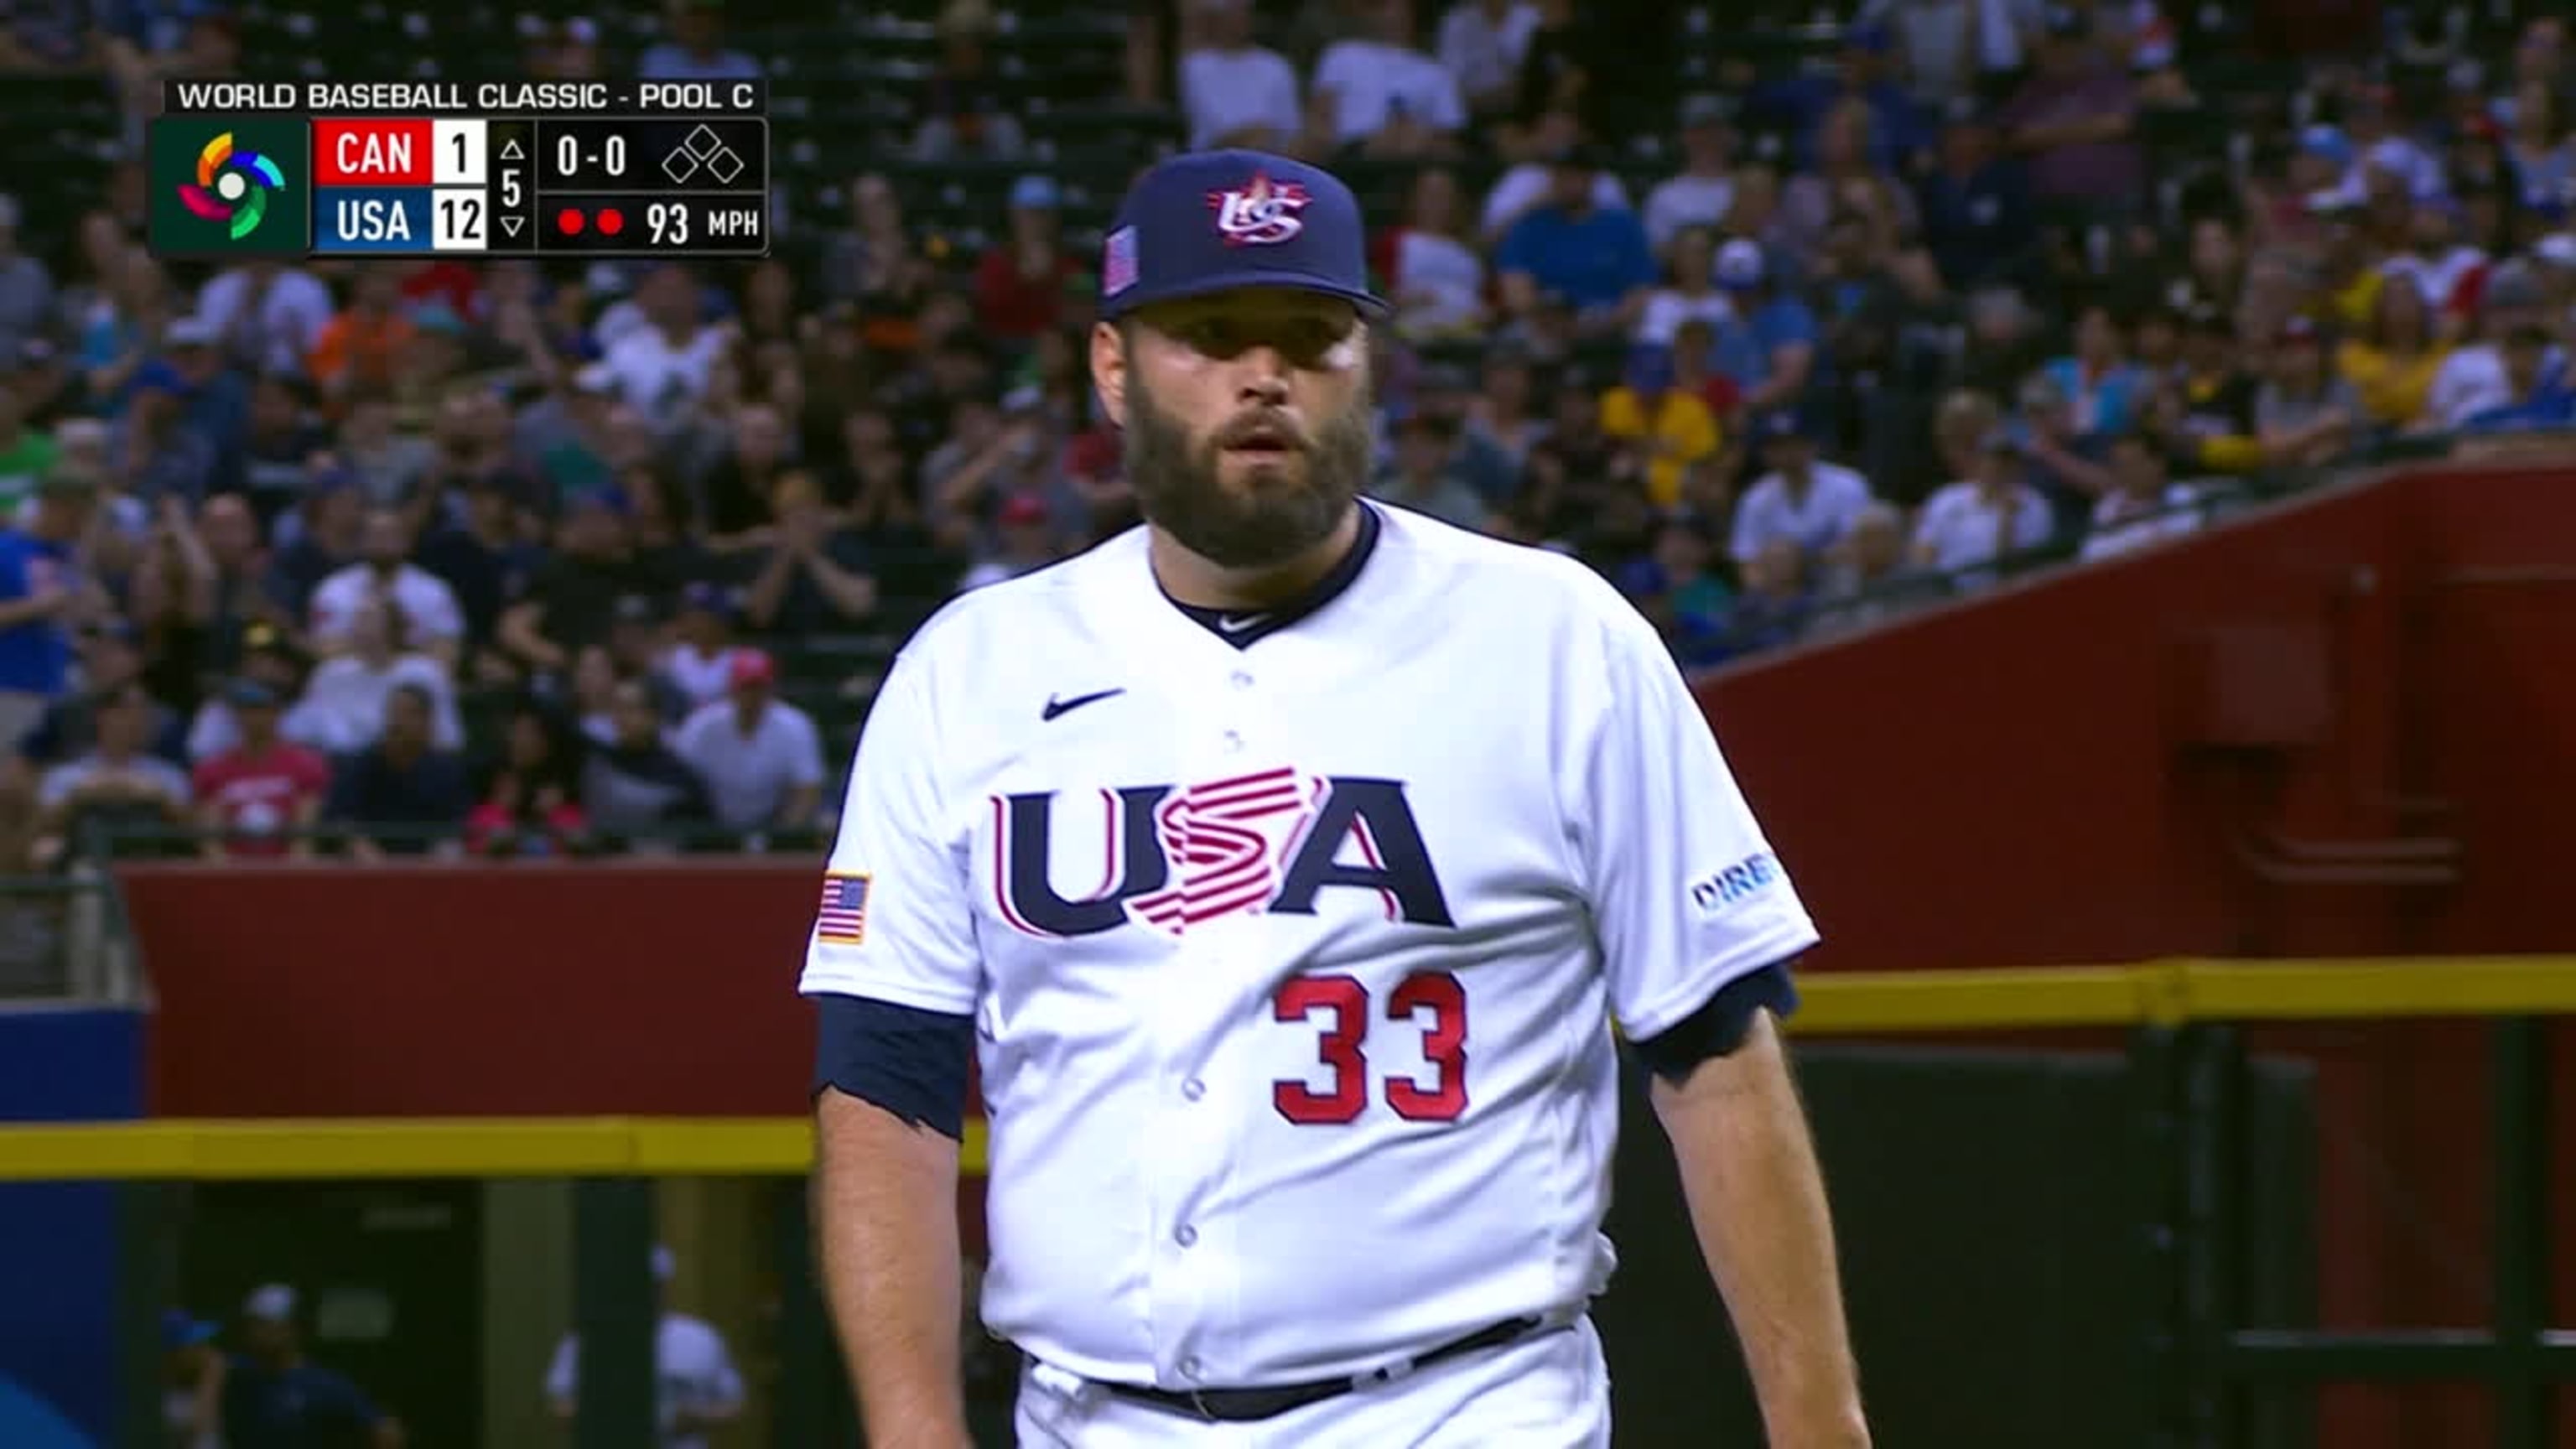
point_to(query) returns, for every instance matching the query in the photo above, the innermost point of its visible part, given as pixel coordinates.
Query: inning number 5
(1345, 1002)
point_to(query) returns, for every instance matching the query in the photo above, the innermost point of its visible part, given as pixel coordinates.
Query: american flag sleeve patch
(843, 914)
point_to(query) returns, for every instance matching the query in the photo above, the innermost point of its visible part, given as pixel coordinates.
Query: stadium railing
(2183, 1020)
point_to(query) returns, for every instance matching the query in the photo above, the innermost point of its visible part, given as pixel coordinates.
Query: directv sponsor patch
(1747, 877)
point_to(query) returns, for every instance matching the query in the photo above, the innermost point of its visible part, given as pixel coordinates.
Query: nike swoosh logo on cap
(1237, 623)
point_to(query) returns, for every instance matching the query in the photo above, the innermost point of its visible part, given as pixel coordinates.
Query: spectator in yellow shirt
(2391, 360)
(1672, 427)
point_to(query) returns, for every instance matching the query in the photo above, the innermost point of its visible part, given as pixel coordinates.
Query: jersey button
(1242, 680)
(1193, 1089)
(1189, 1368)
(1233, 742)
(1186, 1236)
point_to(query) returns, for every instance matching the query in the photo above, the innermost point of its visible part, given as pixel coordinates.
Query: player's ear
(1109, 370)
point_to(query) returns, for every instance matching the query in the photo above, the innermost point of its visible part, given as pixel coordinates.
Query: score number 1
(667, 223)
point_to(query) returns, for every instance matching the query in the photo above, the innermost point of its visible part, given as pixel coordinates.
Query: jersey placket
(1193, 1287)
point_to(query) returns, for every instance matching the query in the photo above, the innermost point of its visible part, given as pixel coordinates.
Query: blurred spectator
(347, 698)
(696, 48)
(698, 1391)
(276, 1397)
(1482, 44)
(42, 591)
(324, 536)
(734, 510)
(401, 795)
(260, 797)
(266, 316)
(1980, 520)
(663, 367)
(2101, 387)
(1767, 348)
(1422, 478)
(1027, 283)
(2392, 362)
(26, 287)
(1797, 102)
(2303, 413)
(572, 601)
(1670, 424)
(699, 663)
(2472, 379)
(1375, 90)
(817, 576)
(1775, 601)
(633, 784)
(1678, 589)
(760, 757)
(530, 800)
(964, 109)
(117, 785)
(281, 434)
(1689, 291)
(193, 1368)
(2075, 120)
(1868, 575)
(385, 580)
(2536, 390)
(1023, 540)
(268, 659)
(111, 661)
(2144, 505)
(1434, 276)
(1234, 92)
(1567, 247)
(153, 452)
(1703, 191)
(1801, 500)
(1846, 181)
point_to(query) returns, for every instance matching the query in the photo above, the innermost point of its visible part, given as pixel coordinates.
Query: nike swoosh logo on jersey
(1237, 623)
(1058, 706)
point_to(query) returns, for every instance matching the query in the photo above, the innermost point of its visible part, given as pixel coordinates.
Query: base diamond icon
(679, 166)
(725, 164)
(703, 141)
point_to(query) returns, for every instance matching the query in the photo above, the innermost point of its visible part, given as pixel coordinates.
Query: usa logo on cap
(1261, 212)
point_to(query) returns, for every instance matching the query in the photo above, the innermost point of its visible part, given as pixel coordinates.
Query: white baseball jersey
(1293, 965)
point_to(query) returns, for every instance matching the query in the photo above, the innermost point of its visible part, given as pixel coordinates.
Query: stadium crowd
(396, 556)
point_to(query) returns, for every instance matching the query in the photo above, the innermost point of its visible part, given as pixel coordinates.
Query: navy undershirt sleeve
(1719, 1028)
(912, 1063)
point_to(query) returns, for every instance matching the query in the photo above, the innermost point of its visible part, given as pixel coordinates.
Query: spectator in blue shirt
(1797, 103)
(2541, 397)
(1595, 259)
(40, 587)
(1767, 348)
(276, 1398)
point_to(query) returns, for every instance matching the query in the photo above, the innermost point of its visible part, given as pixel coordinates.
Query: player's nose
(1264, 376)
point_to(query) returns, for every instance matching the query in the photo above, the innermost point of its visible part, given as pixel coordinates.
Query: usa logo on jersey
(1265, 842)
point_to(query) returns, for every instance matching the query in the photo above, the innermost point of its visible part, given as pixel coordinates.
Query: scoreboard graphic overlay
(242, 169)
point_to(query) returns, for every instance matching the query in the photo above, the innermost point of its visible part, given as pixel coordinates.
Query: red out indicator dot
(611, 221)
(569, 222)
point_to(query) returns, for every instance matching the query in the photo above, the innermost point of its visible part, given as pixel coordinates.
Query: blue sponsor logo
(1747, 877)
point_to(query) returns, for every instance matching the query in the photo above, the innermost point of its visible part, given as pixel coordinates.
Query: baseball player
(1284, 863)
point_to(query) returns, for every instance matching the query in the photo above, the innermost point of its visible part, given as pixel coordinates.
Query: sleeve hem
(900, 993)
(1783, 940)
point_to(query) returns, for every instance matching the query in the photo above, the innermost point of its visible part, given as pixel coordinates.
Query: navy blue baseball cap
(1216, 221)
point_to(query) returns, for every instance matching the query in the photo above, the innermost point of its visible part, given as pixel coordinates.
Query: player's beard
(1180, 485)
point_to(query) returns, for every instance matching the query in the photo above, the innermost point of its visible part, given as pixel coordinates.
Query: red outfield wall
(2106, 766)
